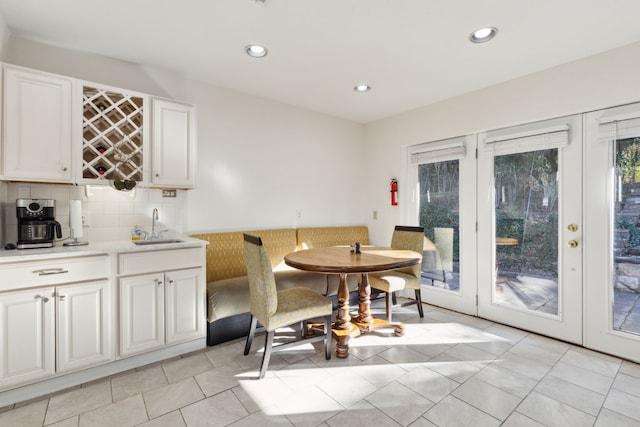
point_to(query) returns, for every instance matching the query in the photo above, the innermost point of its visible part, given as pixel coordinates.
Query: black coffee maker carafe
(37, 226)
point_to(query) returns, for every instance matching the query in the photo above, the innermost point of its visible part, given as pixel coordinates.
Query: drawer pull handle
(50, 271)
(171, 281)
(62, 297)
(158, 282)
(44, 299)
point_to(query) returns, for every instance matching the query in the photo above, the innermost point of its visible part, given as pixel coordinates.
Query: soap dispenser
(136, 234)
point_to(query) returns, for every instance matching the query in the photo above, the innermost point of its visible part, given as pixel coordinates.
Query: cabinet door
(185, 296)
(141, 313)
(37, 126)
(27, 331)
(84, 325)
(173, 144)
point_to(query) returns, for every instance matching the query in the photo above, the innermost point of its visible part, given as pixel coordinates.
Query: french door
(445, 204)
(530, 227)
(540, 229)
(612, 245)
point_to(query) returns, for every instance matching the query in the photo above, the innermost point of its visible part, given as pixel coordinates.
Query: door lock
(572, 227)
(573, 244)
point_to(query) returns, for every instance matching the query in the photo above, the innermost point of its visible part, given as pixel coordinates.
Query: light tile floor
(448, 370)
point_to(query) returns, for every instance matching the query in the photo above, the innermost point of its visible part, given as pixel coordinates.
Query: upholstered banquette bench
(227, 283)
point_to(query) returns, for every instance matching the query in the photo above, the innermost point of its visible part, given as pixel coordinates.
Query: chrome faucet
(154, 218)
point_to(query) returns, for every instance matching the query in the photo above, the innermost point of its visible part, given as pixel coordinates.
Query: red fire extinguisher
(394, 192)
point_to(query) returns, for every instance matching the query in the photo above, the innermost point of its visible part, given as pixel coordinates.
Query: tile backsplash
(107, 214)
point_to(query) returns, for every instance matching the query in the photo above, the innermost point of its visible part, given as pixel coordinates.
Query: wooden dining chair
(276, 309)
(408, 238)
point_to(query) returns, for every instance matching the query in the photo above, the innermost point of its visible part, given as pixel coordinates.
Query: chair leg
(268, 345)
(389, 303)
(252, 332)
(419, 302)
(327, 338)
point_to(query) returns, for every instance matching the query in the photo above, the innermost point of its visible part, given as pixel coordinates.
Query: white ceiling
(412, 52)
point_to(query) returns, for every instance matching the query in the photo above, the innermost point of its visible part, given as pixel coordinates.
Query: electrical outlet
(299, 213)
(86, 219)
(375, 214)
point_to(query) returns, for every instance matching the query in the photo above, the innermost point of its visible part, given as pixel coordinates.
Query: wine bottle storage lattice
(111, 135)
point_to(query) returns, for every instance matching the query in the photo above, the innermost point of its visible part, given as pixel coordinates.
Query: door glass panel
(440, 217)
(526, 230)
(626, 244)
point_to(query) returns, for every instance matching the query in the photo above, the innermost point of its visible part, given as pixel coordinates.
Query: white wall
(596, 82)
(259, 162)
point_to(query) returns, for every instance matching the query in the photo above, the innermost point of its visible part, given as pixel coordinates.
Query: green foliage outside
(526, 204)
(526, 207)
(628, 170)
(433, 216)
(634, 233)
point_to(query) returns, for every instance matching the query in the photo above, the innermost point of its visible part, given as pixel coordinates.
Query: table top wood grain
(338, 259)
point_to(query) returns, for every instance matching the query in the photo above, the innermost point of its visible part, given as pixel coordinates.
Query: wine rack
(112, 125)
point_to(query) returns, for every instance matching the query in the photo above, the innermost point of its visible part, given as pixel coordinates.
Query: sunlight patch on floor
(323, 387)
(427, 334)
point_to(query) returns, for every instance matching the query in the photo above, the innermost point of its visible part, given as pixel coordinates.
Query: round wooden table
(339, 260)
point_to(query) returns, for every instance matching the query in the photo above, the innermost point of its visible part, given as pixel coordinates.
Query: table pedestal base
(343, 336)
(382, 324)
(347, 326)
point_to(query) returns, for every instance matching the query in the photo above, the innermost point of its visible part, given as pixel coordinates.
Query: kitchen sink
(156, 242)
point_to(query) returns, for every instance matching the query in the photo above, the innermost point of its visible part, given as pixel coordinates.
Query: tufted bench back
(321, 237)
(225, 256)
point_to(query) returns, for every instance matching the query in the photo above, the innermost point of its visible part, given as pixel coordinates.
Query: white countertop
(97, 248)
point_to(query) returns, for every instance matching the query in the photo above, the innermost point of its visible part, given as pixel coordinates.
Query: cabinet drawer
(52, 272)
(152, 261)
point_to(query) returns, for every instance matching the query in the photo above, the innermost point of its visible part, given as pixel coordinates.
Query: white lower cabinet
(161, 308)
(84, 325)
(184, 305)
(58, 315)
(27, 325)
(52, 330)
(141, 313)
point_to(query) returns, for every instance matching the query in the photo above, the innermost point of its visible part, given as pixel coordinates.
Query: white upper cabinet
(60, 129)
(173, 144)
(37, 126)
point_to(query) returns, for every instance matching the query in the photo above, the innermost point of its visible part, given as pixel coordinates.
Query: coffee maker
(37, 227)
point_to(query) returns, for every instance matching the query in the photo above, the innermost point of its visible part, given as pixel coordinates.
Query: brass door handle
(573, 244)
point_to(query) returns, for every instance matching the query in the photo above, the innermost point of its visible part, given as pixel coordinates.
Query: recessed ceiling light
(483, 34)
(256, 51)
(362, 88)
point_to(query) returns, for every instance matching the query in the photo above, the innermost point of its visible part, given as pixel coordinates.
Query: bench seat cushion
(228, 297)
